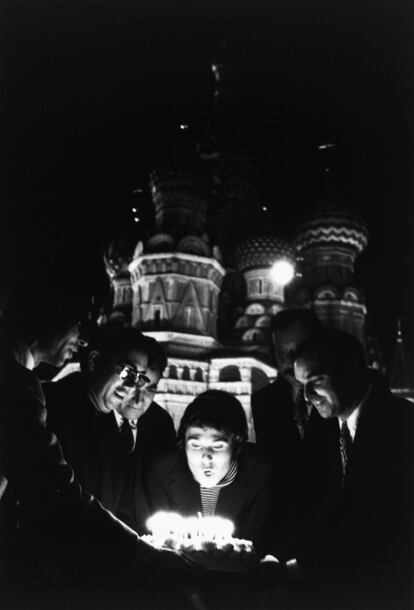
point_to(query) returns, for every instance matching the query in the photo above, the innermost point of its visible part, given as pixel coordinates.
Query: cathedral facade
(211, 307)
(201, 283)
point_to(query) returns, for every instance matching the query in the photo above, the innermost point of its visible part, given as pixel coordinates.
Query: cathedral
(202, 285)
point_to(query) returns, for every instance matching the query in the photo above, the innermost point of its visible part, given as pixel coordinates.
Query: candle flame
(165, 525)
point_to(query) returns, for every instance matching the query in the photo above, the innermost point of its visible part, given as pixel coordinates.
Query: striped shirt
(210, 495)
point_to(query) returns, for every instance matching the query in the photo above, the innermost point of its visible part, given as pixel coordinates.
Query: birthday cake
(207, 541)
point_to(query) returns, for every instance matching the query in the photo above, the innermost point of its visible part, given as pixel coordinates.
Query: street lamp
(282, 272)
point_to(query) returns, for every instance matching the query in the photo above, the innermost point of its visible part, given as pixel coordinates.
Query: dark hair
(157, 358)
(289, 317)
(338, 352)
(113, 340)
(216, 409)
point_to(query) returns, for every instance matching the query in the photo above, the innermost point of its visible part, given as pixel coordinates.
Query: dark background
(93, 92)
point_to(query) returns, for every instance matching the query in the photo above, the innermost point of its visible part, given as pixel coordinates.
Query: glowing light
(134, 209)
(136, 219)
(164, 525)
(137, 191)
(264, 208)
(183, 126)
(282, 272)
(326, 146)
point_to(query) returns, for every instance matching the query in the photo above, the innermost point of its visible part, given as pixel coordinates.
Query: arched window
(186, 374)
(230, 373)
(157, 319)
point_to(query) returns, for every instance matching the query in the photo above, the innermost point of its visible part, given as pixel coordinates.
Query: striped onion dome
(262, 251)
(328, 226)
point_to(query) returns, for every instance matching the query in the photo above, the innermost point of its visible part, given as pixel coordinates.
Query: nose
(306, 393)
(206, 456)
(137, 396)
(130, 391)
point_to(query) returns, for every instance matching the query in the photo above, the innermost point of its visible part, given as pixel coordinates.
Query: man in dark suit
(292, 434)
(152, 434)
(364, 556)
(108, 430)
(61, 529)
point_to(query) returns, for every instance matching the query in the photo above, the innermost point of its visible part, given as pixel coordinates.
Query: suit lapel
(113, 460)
(366, 438)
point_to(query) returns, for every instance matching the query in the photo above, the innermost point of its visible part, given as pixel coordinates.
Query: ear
(94, 360)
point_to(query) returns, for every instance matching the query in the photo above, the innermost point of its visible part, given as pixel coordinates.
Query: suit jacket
(92, 444)
(367, 546)
(306, 470)
(59, 523)
(247, 501)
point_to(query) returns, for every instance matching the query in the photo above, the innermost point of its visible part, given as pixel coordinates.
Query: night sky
(93, 92)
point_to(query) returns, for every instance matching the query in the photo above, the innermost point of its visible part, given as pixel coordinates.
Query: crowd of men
(75, 455)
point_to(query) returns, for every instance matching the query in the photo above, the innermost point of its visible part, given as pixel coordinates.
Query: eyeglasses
(132, 378)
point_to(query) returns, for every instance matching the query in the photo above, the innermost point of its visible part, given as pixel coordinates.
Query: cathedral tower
(328, 242)
(264, 295)
(176, 275)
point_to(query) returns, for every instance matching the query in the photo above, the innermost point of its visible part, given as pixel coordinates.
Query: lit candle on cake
(193, 530)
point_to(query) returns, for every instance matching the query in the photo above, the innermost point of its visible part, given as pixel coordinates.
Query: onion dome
(261, 251)
(117, 257)
(180, 201)
(179, 188)
(329, 227)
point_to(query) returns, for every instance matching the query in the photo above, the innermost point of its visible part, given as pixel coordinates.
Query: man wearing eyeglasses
(152, 433)
(105, 448)
(67, 545)
(113, 368)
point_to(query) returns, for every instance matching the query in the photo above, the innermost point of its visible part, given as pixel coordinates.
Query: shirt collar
(119, 419)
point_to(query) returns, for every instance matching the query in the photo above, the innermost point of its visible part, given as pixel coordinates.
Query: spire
(401, 382)
(224, 148)
(221, 133)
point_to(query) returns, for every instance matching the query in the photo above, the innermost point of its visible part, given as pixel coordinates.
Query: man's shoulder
(155, 411)
(19, 383)
(387, 417)
(71, 382)
(66, 394)
(167, 464)
(258, 464)
(275, 388)
(383, 403)
(276, 394)
(157, 416)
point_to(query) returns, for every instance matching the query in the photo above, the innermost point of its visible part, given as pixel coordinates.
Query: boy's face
(209, 454)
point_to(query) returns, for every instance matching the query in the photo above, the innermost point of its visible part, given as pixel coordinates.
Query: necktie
(127, 436)
(345, 444)
(301, 414)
